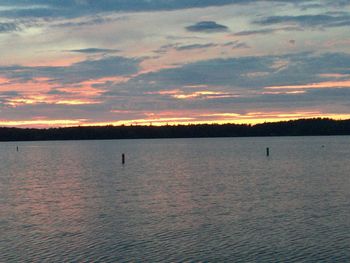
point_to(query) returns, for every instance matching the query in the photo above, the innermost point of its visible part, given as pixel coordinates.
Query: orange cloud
(35, 85)
(284, 92)
(320, 85)
(75, 102)
(37, 91)
(40, 99)
(164, 92)
(54, 60)
(334, 75)
(119, 79)
(40, 123)
(204, 94)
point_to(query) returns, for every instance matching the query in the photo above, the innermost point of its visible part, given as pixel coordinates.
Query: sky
(156, 62)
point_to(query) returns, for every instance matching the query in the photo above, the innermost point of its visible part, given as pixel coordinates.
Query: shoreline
(301, 127)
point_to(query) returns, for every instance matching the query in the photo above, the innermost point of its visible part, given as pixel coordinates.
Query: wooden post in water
(267, 151)
(123, 158)
(17, 148)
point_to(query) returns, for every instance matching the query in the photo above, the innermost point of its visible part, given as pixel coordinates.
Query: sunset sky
(98, 62)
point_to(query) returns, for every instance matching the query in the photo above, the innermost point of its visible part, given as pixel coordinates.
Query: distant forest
(302, 127)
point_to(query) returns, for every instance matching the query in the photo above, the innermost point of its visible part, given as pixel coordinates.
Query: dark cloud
(214, 72)
(241, 74)
(195, 46)
(207, 27)
(248, 72)
(75, 73)
(89, 21)
(94, 50)
(180, 47)
(236, 44)
(256, 73)
(308, 6)
(265, 31)
(70, 8)
(338, 3)
(321, 20)
(245, 76)
(91, 69)
(57, 92)
(5, 96)
(33, 12)
(9, 93)
(8, 27)
(75, 8)
(255, 32)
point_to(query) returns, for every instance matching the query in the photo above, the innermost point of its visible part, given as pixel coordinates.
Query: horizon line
(170, 124)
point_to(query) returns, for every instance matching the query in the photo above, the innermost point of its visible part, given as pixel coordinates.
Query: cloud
(179, 47)
(243, 76)
(251, 73)
(5, 96)
(265, 31)
(321, 20)
(255, 32)
(237, 84)
(89, 21)
(77, 8)
(56, 92)
(338, 3)
(77, 72)
(70, 8)
(33, 12)
(192, 74)
(8, 27)
(105, 67)
(195, 46)
(236, 44)
(11, 93)
(94, 50)
(207, 27)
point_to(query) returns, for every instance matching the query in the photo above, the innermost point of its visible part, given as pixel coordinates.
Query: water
(176, 200)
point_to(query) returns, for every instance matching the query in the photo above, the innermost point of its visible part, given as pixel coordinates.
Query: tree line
(301, 127)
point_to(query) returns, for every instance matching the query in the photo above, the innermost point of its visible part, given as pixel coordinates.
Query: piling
(17, 148)
(123, 158)
(267, 151)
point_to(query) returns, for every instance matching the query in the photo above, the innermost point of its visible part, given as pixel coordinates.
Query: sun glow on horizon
(251, 118)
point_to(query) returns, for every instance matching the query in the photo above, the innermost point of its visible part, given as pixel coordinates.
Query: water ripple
(202, 200)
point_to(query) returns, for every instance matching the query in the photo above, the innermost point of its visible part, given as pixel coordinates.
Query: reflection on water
(176, 200)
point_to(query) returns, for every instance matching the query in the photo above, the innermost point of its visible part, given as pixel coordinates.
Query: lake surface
(175, 200)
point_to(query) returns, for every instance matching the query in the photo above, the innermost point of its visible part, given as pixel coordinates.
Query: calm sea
(211, 200)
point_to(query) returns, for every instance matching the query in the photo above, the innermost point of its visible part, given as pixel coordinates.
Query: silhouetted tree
(302, 127)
